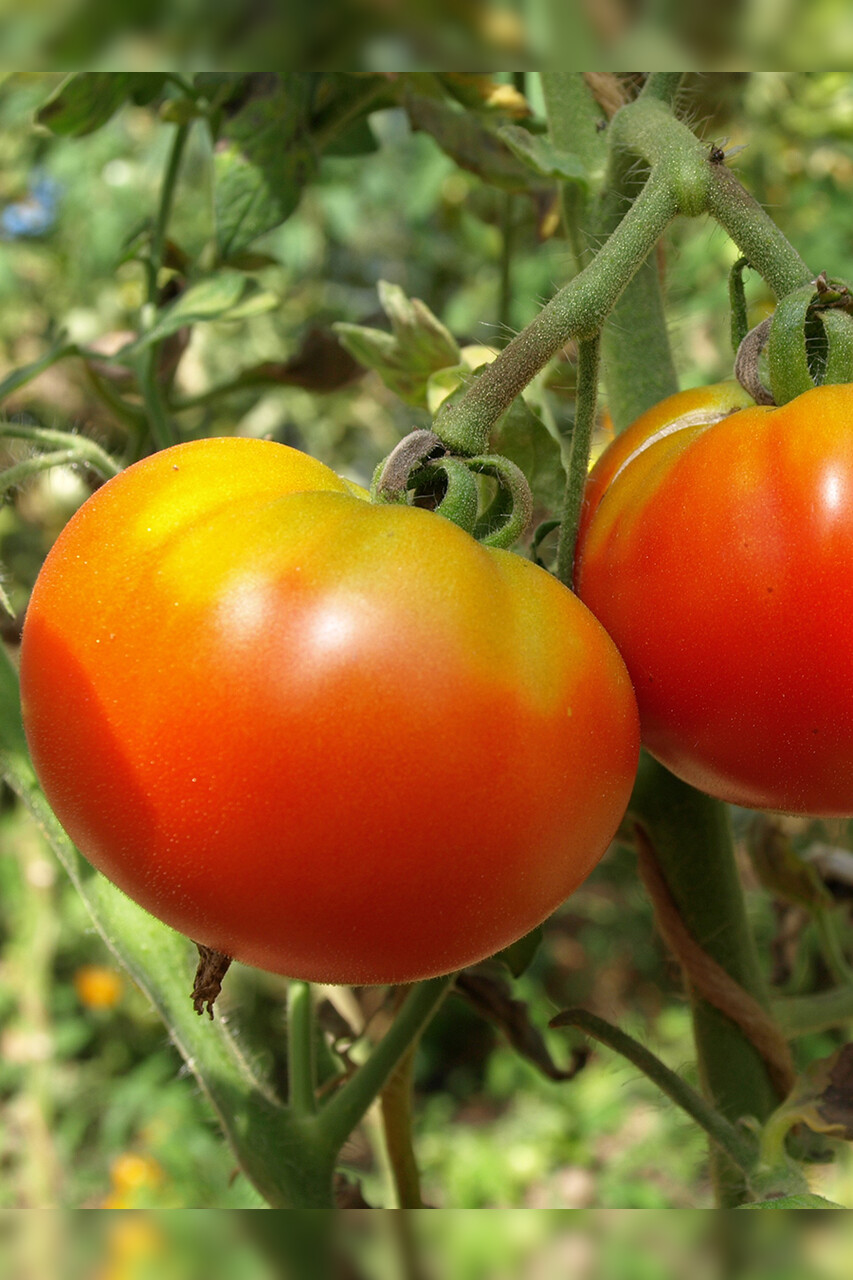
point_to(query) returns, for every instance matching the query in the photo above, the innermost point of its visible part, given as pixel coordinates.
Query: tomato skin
(338, 741)
(720, 559)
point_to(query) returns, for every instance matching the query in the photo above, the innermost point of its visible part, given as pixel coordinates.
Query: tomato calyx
(808, 342)
(212, 968)
(422, 466)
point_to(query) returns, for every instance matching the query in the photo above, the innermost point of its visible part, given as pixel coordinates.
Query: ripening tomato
(717, 551)
(336, 740)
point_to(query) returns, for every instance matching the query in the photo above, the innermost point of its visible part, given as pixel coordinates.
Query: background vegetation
(97, 1110)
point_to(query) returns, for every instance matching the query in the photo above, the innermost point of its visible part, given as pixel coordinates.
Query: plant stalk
(342, 1113)
(577, 311)
(692, 840)
(740, 1149)
(586, 401)
(301, 1055)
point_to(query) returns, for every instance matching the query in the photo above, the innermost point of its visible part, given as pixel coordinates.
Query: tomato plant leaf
(522, 436)
(86, 100)
(519, 955)
(26, 372)
(262, 163)
(540, 155)
(471, 142)
(406, 358)
(226, 296)
(489, 993)
(808, 1200)
(823, 1095)
(780, 868)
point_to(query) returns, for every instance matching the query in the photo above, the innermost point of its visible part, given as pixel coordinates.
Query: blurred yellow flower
(98, 987)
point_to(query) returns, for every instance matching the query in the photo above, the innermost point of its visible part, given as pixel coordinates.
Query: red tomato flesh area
(338, 741)
(720, 559)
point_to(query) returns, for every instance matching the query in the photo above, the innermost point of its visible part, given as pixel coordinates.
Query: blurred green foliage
(97, 1108)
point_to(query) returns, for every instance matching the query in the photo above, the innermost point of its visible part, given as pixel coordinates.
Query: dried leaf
(489, 994)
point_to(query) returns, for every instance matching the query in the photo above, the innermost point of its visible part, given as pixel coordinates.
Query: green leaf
(472, 143)
(540, 155)
(359, 140)
(88, 99)
(805, 1201)
(262, 164)
(60, 349)
(229, 295)
(5, 602)
(519, 955)
(406, 358)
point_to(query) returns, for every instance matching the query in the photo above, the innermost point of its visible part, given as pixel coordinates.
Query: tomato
(717, 550)
(335, 740)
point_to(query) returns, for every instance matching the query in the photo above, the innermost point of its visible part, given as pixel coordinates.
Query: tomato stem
(336, 1121)
(301, 1049)
(578, 310)
(587, 398)
(805, 1015)
(149, 371)
(740, 1148)
(692, 840)
(81, 449)
(396, 1101)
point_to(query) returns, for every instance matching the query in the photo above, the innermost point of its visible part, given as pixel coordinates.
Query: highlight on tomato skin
(335, 740)
(719, 557)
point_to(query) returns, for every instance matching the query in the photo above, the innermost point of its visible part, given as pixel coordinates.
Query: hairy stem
(577, 311)
(737, 1146)
(587, 398)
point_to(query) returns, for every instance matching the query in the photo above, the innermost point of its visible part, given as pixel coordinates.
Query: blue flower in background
(33, 216)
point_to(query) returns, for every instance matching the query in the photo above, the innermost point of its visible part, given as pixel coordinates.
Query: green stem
(149, 374)
(129, 414)
(164, 212)
(663, 86)
(397, 1124)
(301, 1063)
(83, 449)
(577, 311)
(755, 234)
(587, 398)
(39, 462)
(574, 123)
(737, 304)
(737, 1146)
(343, 1112)
(831, 949)
(692, 839)
(804, 1015)
(507, 239)
(638, 367)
